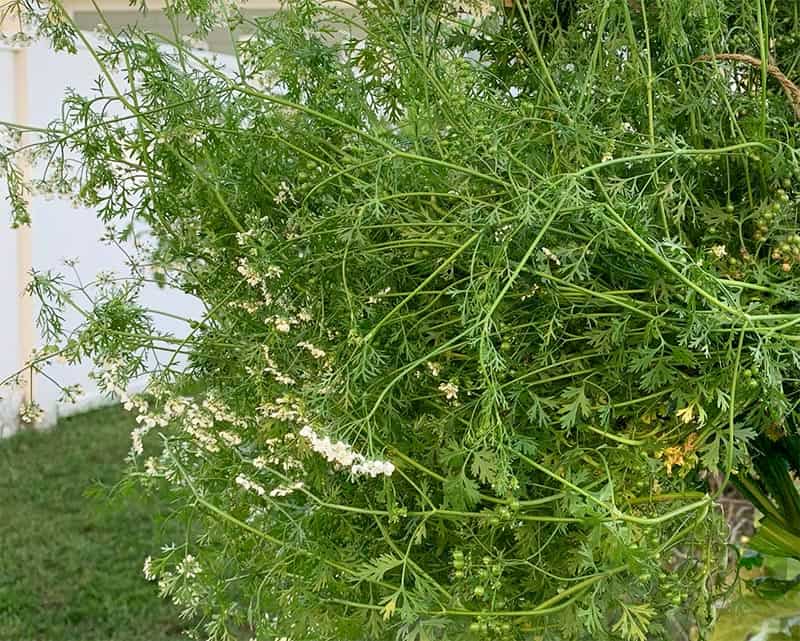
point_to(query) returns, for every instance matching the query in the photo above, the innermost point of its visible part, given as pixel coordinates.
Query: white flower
(151, 467)
(283, 193)
(30, 413)
(250, 275)
(316, 352)
(531, 293)
(450, 390)
(283, 379)
(250, 486)
(230, 438)
(189, 567)
(551, 256)
(147, 569)
(434, 368)
(342, 455)
(284, 490)
(137, 447)
(720, 251)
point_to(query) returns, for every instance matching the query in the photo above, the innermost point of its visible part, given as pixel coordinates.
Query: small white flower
(341, 455)
(30, 413)
(284, 490)
(250, 275)
(137, 436)
(720, 251)
(316, 352)
(189, 567)
(551, 256)
(450, 390)
(147, 570)
(434, 368)
(283, 379)
(250, 486)
(230, 439)
(531, 293)
(283, 193)
(151, 467)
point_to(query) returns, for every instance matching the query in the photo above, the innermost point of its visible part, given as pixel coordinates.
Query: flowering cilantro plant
(490, 293)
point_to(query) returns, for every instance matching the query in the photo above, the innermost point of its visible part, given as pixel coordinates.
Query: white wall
(60, 231)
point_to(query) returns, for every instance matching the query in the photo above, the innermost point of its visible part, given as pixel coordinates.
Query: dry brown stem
(792, 90)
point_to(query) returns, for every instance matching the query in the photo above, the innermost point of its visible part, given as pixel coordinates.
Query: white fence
(34, 81)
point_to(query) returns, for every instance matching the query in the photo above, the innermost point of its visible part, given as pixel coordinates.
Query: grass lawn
(70, 564)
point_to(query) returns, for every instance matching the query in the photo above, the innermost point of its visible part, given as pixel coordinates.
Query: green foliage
(488, 293)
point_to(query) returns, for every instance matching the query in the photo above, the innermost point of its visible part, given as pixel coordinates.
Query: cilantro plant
(490, 293)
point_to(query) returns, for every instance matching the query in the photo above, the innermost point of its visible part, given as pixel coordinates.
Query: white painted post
(24, 235)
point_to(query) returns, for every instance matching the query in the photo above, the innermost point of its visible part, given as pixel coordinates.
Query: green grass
(70, 564)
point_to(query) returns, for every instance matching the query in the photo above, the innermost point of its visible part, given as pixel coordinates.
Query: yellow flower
(681, 455)
(672, 456)
(686, 414)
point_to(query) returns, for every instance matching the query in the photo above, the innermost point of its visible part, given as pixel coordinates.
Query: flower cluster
(30, 413)
(343, 456)
(249, 485)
